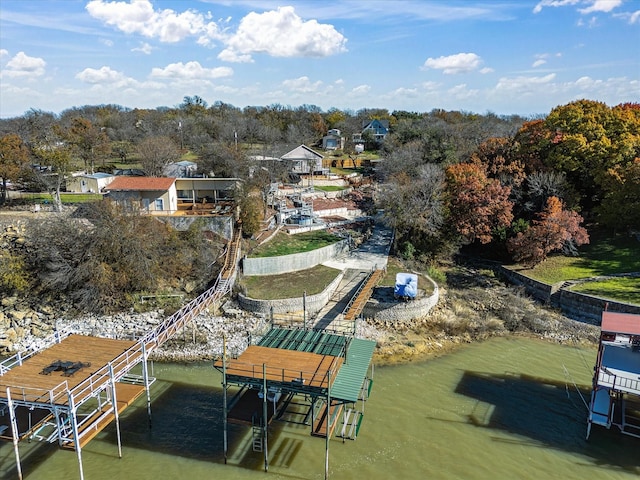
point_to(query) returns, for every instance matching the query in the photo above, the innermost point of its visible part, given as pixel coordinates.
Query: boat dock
(327, 377)
(615, 399)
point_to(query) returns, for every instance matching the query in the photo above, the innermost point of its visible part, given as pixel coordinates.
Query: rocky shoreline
(465, 314)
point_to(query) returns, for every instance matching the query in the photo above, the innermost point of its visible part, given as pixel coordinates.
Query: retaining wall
(222, 226)
(314, 303)
(399, 312)
(578, 306)
(293, 262)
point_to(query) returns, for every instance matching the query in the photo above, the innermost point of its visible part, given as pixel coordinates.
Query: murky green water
(504, 409)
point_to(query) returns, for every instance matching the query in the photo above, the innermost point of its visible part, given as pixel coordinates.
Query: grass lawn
(289, 285)
(603, 256)
(622, 289)
(285, 244)
(65, 197)
(328, 188)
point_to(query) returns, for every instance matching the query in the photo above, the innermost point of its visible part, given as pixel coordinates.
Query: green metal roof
(314, 341)
(353, 372)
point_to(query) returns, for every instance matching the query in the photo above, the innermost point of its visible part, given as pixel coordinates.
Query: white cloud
(103, 75)
(486, 70)
(592, 6)
(106, 42)
(190, 71)
(538, 63)
(3, 52)
(601, 6)
(635, 17)
(453, 64)
(144, 48)
(522, 84)
(22, 65)
(361, 90)
(281, 33)
(461, 92)
(553, 3)
(302, 85)
(139, 16)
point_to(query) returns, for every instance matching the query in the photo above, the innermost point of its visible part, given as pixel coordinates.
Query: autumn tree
(477, 205)
(620, 207)
(156, 153)
(14, 155)
(556, 229)
(588, 139)
(496, 157)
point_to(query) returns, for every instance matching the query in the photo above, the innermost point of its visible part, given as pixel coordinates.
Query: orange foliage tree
(555, 229)
(477, 205)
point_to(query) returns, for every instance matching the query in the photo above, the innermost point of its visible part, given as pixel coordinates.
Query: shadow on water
(187, 421)
(548, 412)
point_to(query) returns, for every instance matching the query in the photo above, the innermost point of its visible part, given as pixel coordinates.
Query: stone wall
(577, 306)
(294, 262)
(314, 303)
(220, 225)
(399, 312)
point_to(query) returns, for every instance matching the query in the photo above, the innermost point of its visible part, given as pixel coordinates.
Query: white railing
(20, 357)
(619, 382)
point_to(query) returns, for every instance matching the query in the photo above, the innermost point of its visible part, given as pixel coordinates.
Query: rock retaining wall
(400, 312)
(577, 306)
(314, 303)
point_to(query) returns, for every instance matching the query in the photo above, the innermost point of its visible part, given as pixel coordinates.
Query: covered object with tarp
(406, 285)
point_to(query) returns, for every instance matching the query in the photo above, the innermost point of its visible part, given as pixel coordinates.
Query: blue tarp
(406, 285)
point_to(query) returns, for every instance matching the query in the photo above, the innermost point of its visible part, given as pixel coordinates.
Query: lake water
(502, 409)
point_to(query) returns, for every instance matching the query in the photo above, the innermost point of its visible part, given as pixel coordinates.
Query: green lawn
(285, 244)
(65, 197)
(603, 256)
(622, 289)
(289, 285)
(328, 188)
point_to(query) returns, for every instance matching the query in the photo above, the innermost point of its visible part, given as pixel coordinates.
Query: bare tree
(156, 153)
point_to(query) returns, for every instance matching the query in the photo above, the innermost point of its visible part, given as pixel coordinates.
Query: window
(159, 204)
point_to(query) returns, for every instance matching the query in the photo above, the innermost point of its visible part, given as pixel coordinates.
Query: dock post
(76, 434)
(14, 433)
(224, 397)
(264, 414)
(145, 376)
(114, 404)
(326, 453)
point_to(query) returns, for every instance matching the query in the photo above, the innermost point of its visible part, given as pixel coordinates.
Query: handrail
(18, 358)
(619, 382)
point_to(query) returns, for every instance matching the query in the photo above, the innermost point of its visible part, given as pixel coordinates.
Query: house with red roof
(154, 195)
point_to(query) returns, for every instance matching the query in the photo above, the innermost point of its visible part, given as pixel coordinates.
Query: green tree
(14, 155)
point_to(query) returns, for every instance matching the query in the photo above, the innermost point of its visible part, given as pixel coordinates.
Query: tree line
(523, 187)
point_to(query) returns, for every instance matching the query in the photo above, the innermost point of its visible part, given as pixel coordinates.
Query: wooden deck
(27, 382)
(250, 406)
(286, 366)
(126, 394)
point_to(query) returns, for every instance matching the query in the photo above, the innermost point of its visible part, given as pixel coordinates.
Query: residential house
(155, 195)
(333, 140)
(209, 190)
(377, 129)
(303, 160)
(93, 183)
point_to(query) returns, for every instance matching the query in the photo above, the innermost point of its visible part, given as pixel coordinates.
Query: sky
(502, 56)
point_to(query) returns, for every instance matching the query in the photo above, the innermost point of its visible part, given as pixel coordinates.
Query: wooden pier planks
(284, 365)
(320, 424)
(27, 379)
(363, 296)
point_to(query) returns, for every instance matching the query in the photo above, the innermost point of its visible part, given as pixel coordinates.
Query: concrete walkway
(371, 255)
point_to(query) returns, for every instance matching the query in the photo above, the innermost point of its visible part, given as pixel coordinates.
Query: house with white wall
(154, 195)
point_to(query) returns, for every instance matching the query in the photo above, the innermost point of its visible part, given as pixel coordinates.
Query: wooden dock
(285, 366)
(320, 424)
(28, 382)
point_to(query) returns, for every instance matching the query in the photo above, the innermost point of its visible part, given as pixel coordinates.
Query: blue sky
(504, 56)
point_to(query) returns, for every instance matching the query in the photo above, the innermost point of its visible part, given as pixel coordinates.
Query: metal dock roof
(314, 341)
(353, 372)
